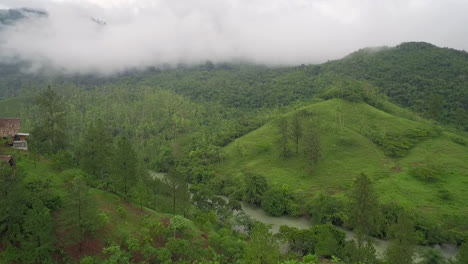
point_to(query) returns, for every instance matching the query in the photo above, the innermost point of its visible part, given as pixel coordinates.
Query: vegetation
(137, 168)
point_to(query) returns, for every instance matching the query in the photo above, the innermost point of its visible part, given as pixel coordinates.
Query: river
(447, 250)
(258, 214)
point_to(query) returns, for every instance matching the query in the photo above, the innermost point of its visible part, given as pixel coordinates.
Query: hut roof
(9, 127)
(6, 158)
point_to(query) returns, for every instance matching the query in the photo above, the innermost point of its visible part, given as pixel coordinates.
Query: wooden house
(9, 131)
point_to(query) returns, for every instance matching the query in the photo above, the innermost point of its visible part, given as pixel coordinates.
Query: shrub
(459, 141)
(398, 144)
(427, 173)
(278, 201)
(445, 195)
(122, 212)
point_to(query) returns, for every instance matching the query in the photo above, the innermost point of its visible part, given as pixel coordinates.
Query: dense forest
(162, 165)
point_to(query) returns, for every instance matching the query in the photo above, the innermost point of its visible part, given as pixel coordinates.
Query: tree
(364, 206)
(141, 193)
(296, 130)
(312, 146)
(432, 256)
(278, 200)
(462, 256)
(402, 247)
(178, 187)
(327, 245)
(115, 255)
(255, 187)
(95, 151)
(38, 240)
(284, 138)
(364, 216)
(80, 211)
(262, 247)
(49, 131)
(124, 165)
(178, 222)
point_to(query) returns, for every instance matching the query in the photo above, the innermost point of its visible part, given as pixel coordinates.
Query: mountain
(422, 76)
(9, 17)
(430, 80)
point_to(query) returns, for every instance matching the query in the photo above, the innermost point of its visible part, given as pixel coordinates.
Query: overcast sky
(143, 33)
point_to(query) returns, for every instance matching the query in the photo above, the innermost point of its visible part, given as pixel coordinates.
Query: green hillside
(387, 147)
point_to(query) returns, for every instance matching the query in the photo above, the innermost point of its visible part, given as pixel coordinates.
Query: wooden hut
(9, 130)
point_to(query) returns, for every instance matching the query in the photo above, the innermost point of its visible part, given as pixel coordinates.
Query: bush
(445, 195)
(278, 201)
(397, 145)
(459, 141)
(427, 173)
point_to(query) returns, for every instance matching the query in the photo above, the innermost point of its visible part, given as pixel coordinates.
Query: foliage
(50, 126)
(429, 173)
(462, 256)
(278, 200)
(255, 188)
(262, 247)
(364, 207)
(80, 214)
(326, 209)
(178, 223)
(402, 247)
(124, 165)
(432, 256)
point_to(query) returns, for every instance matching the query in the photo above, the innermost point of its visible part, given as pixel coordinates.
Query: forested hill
(419, 75)
(428, 79)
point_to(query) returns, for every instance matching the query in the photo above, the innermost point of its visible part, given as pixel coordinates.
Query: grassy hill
(391, 146)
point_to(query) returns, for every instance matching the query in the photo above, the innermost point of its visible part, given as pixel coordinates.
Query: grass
(348, 150)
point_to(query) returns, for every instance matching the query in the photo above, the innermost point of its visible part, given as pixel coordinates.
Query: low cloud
(146, 33)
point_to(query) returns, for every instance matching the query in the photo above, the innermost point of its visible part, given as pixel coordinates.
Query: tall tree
(462, 256)
(178, 187)
(80, 211)
(262, 247)
(49, 131)
(312, 146)
(432, 256)
(283, 129)
(364, 214)
(124, 165)
(95, 151)
(296, 129)
(402, 246)
(255, 187)
(38, 239)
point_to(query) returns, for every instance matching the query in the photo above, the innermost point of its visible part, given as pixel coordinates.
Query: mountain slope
(419, 75)
(391, 148)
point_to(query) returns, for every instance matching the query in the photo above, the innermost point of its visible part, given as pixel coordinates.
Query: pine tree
(402, 246)
(124, 165)
(312, 146)
(80, 211)
(284, 138)
(38, 237)
(296, 130)
(95, 151)
(262, 247)
(364, 216)
(49, 131)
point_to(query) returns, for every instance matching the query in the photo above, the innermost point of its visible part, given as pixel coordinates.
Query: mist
(139, 34)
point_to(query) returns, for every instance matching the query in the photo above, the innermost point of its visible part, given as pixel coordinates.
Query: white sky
(154, 32)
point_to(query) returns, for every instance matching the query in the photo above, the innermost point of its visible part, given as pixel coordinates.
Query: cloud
(276, 32)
